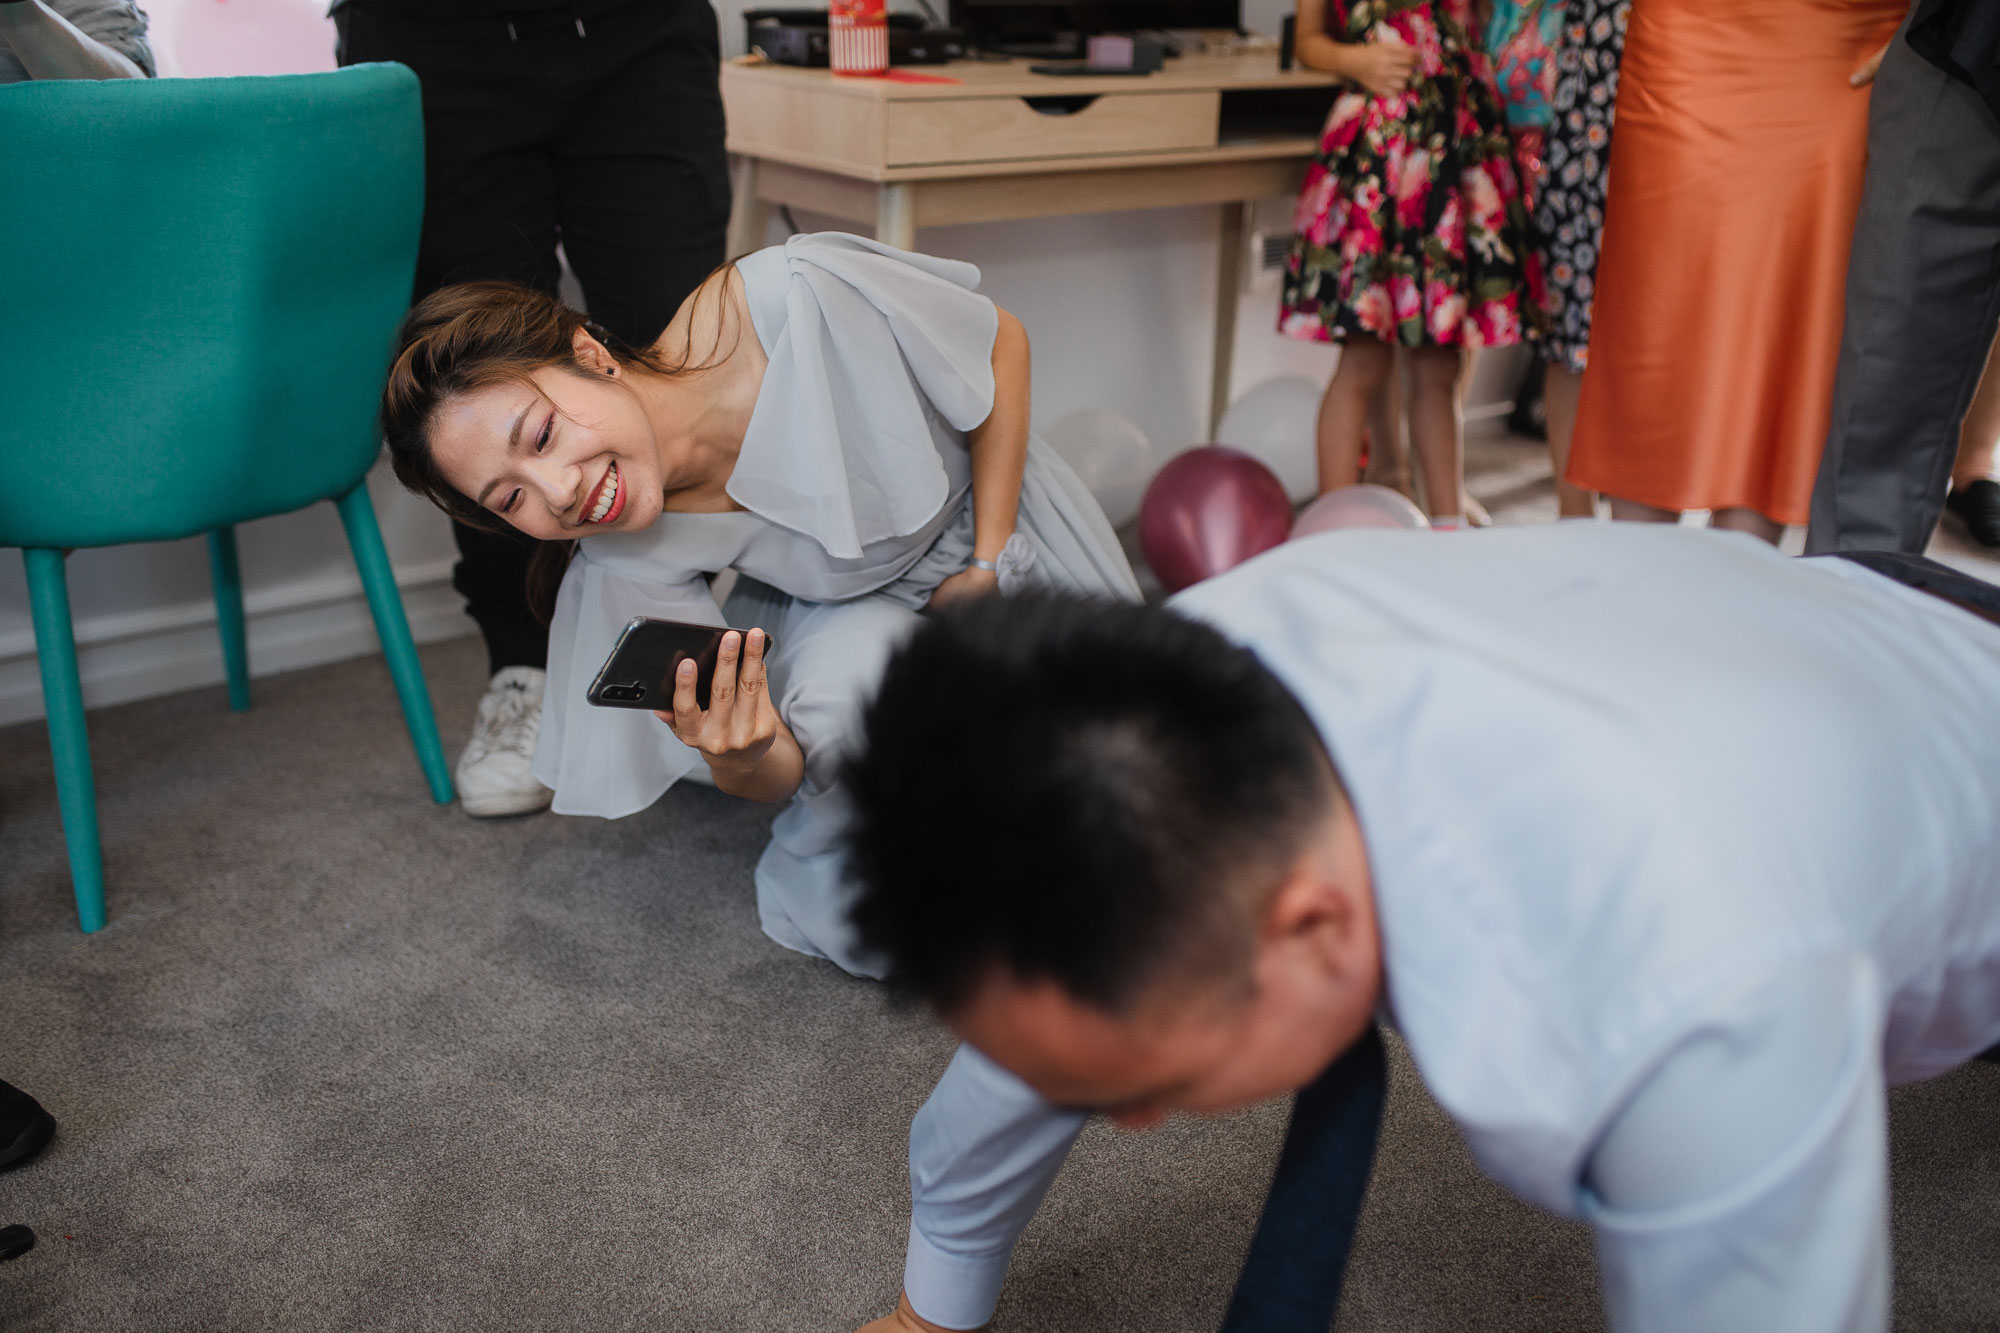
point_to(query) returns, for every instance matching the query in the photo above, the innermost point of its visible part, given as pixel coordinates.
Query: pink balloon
(1210, 509)
(1363, 506)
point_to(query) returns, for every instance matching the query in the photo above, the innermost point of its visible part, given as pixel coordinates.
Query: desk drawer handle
(1059, 106)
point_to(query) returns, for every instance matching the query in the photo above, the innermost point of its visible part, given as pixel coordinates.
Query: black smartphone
(640, 671)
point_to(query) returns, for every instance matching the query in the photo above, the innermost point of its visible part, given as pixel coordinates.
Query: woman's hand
(963, 586)
(1385, 68)
(1864, 76)
(740, 735)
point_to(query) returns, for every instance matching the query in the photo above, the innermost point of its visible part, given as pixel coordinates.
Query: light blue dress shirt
(1682, 851)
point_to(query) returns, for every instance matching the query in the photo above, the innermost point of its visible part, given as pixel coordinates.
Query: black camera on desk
(799, 37)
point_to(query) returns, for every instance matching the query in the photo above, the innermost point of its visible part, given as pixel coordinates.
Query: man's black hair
(1076, 790)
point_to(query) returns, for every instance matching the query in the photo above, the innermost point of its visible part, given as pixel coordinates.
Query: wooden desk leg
(749, 216)
(896, 216)
(1228, 294)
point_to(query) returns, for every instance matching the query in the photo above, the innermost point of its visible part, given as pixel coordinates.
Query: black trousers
(1923, 300)
(597, 125)
(1931, 576)
(1297, 1263)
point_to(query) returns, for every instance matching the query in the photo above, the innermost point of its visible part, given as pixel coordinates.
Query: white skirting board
(162, 650)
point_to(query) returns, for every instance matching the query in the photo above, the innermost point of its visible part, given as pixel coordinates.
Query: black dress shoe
(15, 1241)
(1978, 503)
(25, 1128)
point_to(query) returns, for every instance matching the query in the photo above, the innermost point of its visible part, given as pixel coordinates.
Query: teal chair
(200, 280)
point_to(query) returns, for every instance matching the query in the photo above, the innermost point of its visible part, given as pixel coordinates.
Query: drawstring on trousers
(514, 35)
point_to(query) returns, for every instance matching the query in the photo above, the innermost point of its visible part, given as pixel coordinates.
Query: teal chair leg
(358, 514)
(69, 742)
(227, 577)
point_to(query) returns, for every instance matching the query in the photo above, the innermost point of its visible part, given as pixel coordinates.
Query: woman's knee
(828, 672)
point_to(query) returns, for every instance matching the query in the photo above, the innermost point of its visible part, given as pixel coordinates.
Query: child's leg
(1560, 389)
(1363, 374)
(1388, 450)
(1437, 433)
(1475, 512)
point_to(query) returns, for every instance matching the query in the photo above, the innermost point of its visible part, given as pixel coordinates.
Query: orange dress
(1734, 184)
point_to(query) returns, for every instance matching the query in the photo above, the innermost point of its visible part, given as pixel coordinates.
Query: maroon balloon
(1210, 509)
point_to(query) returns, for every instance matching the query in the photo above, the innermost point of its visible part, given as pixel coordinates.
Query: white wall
(145, 625)
(1119, 306)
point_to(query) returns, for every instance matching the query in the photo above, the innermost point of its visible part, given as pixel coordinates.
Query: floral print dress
(1410, 227)
(1569, 214)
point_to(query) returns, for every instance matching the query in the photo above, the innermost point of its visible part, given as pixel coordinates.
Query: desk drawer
(998, 129)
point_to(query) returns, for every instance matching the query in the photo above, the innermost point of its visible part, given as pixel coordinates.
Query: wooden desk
(1002, 144)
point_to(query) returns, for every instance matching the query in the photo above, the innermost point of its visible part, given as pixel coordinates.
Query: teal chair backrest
(200, 280)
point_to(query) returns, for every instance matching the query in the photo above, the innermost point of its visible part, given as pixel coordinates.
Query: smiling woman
(505, 408)
(843, 424)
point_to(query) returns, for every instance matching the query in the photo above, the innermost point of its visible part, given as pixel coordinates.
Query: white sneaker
(493, 774)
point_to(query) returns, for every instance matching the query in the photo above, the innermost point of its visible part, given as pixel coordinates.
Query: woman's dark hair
(1075, 790)
(465, 337)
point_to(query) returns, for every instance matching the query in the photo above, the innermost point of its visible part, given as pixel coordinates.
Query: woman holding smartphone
(843, 424)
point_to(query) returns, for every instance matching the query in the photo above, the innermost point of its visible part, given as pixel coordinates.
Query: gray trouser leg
(1923, 301)
(828, 658)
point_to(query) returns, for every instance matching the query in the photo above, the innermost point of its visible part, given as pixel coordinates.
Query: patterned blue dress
(1569, 212)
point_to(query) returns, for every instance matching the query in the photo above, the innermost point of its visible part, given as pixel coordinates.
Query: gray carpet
(346, 1060)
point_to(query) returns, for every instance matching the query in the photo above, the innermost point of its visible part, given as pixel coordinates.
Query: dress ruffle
(846, 454)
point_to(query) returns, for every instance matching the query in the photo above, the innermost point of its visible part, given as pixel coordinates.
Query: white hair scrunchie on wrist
(1016, 565)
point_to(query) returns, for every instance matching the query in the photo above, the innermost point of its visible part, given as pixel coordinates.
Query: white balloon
(1278, 421)
(1112, 456)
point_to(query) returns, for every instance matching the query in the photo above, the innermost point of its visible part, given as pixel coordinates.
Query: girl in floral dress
(1410, 229)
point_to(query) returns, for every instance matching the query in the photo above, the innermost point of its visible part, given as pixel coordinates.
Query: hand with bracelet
(975, 580)
(999, 447)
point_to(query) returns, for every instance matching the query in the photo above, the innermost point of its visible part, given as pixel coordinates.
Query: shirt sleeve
(119, 24)
(609, 762)
(983, 1151)
(1744, 1185)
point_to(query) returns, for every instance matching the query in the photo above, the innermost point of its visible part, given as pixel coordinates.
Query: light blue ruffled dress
(857, 486)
